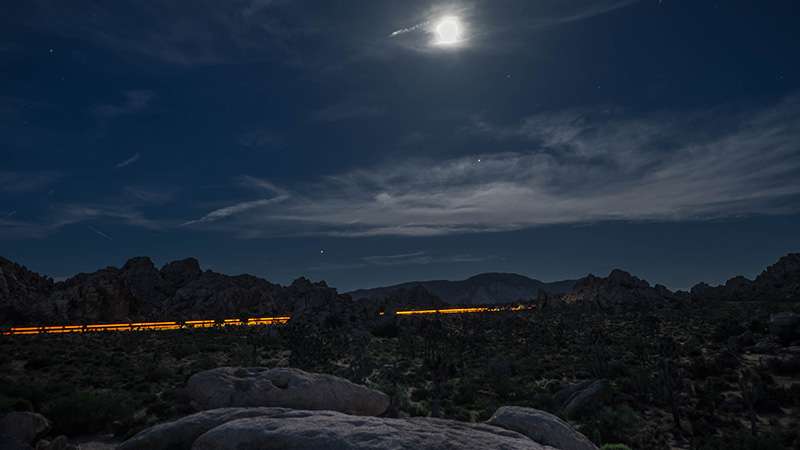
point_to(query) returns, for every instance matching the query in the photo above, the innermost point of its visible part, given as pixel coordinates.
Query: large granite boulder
(283, 387)
(785, 325)
(24, 427)
(542, 427)
(288, 429)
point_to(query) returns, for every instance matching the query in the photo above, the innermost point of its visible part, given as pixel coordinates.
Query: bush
(87, 412)
(615, 447)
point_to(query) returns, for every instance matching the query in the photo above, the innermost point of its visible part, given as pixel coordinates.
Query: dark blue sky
(339, 141)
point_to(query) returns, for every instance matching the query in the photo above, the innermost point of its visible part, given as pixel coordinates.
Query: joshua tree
(668, 378)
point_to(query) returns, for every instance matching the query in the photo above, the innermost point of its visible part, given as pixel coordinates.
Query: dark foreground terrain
(623, 361)
(699, 376)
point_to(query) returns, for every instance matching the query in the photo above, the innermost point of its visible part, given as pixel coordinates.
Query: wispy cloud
(228, 211)
(128, 161)
(583, 166)
(409, 29)
(100, 233)
(24, 182)
(58, 217)
(135, 101)
(197, 32)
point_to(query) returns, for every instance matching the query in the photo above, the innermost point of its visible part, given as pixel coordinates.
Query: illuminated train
(189, 324)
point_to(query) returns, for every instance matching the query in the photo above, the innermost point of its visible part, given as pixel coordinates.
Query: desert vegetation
(699, 376)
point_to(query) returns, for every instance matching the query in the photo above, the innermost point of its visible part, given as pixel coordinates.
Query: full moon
(448, 31)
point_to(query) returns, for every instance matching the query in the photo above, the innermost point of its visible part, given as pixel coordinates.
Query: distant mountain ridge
(181, 290)
(484, 288)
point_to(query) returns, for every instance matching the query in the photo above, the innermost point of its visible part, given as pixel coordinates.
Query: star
(322, 252)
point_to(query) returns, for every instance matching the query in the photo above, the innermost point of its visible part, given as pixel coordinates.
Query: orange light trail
(279, 320)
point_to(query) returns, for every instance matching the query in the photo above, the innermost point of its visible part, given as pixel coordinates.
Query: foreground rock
(542, 427)
(283, 387)
(576, 398)
(23, 427)
(287, 429)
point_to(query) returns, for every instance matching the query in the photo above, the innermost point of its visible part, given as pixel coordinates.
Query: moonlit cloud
(128, 161)
(582, 166)
(232, 210)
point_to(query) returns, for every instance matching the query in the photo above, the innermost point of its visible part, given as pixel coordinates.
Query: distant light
(448, 31)
(322, 252)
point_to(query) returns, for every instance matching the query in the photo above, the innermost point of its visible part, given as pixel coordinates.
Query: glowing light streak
(190, 324)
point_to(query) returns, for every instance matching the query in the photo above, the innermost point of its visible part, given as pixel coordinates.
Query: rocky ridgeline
(618, 289)
(139, 291)
(181, 290)
(292, 409)
(779, 282)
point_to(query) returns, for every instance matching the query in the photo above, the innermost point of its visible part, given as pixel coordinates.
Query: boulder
(181, 433)
(288, 429)
(785, 325)
(24, 426)
(542, 427)
(283, 387)
(575, 398)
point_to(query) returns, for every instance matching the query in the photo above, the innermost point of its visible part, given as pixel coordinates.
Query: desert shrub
(183, 349)
(727, 328)
(158, 372)
(742, 441)
(611, 424)
(87, 412)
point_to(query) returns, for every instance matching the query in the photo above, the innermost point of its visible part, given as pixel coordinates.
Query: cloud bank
(577, 166)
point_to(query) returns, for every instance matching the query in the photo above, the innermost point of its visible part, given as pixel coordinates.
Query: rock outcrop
(22, 428)
(139, 291)
(283, 387)
(618, 289)
(288, 429)
(542, 427)
(778, 282)
(21, 288)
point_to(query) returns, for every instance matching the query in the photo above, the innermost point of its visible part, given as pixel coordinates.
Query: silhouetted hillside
(485, 288)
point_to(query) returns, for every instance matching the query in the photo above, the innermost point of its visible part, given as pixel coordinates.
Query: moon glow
(448, 31)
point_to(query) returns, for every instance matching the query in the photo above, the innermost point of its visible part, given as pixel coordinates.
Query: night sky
(360, 143)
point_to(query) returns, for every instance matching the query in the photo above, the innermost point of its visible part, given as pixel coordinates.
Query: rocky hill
(778, 282)
(139, 291)
(485, 288)
(618, 289)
